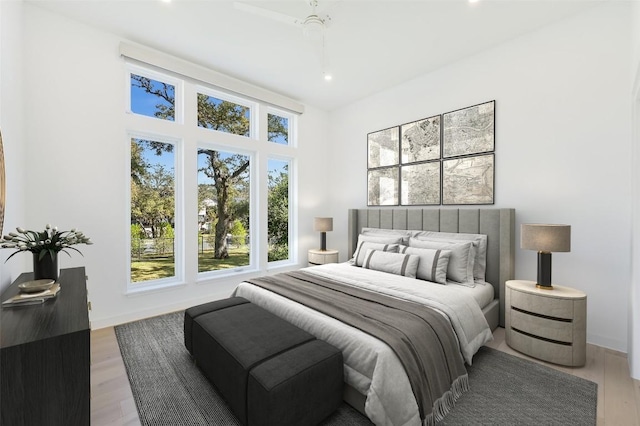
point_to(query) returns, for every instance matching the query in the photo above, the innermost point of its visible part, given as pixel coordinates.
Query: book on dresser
(23, 299)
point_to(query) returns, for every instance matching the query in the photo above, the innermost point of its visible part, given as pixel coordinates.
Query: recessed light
(328, 77)
(474, 1)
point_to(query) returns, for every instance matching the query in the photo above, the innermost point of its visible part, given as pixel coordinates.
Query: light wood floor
(618, 395)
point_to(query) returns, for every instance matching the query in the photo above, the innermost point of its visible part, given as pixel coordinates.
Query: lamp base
(323, 241)
(544, 287)
(544, 270)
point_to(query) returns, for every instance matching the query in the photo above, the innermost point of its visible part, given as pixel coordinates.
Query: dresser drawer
(549, 306)
(542, 327)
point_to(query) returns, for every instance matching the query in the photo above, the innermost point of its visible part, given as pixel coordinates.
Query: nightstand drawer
(549, 306)
(316, 258)
(319, 257)
(542, 327)
(548, 351)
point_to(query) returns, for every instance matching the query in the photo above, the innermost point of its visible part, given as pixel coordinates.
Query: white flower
(48, 226)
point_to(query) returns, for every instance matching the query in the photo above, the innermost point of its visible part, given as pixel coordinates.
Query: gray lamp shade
(323, 224)
(545, 238)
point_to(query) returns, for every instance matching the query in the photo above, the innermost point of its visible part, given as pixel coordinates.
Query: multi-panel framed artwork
(383, 148)
(445, 159)
(468, 180)
(469, 130)
(383, 186)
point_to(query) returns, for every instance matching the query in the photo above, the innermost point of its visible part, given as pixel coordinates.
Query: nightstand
(320, 257)
(550, 325)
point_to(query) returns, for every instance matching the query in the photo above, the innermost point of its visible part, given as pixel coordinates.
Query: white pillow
(433, 263)
(460, 267)
(363, 246)
(393, 263)
(389, 233)
(479, 243)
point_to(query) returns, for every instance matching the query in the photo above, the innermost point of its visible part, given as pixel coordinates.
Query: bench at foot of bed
(269, 371)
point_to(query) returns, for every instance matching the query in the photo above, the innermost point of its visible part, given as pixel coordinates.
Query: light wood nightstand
(547, 324)
(320, 257)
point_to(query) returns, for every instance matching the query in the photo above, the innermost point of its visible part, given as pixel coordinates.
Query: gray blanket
(421, 337)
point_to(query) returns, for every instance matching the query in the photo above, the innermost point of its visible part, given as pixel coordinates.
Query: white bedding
(482, 292)
(370, 366)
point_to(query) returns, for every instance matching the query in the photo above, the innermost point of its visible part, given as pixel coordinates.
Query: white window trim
(164, 78)
(178, 248)
(188, 69)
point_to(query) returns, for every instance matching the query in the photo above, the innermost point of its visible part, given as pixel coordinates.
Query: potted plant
(45, 246)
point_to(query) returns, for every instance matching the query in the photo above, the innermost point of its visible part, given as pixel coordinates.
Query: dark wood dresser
(45, 356)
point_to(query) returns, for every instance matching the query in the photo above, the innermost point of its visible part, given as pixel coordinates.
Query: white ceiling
(371, 45)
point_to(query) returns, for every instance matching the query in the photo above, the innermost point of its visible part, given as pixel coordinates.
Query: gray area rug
(170, 390)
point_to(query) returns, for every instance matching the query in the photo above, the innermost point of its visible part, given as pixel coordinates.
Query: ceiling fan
(313, 25)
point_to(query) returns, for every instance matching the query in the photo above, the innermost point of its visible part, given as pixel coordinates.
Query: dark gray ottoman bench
(269, 371)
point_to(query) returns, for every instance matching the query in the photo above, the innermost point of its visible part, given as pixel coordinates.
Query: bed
(375, 380)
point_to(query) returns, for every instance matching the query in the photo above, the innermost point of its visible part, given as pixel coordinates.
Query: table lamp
(323, 225)
(545, 239)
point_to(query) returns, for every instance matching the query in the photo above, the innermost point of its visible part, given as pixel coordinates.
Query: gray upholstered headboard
(497, 224)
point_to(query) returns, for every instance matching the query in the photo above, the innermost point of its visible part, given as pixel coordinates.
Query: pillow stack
(437, 256)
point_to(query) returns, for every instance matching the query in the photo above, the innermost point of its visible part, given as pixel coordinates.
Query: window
(152, 98)
(224, 194)
(224, 115)
(152, 210)
(236, 194)
(278, 128)
(278, 211)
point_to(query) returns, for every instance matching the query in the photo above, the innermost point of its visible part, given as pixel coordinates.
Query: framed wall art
(420, 184)
(382, 186)
(469, 130)
(383, 147)
(468, 180)
(420, 140)
(443, 159)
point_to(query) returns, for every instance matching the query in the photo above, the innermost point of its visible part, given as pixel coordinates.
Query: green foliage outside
(238, 233)
(278, 216)
(137, 234)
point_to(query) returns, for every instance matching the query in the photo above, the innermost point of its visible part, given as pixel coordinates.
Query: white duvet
(370, 366)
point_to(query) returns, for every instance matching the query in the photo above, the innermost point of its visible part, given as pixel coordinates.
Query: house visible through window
(224, 188)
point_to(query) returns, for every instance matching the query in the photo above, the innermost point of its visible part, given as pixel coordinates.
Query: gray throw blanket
(421, 337)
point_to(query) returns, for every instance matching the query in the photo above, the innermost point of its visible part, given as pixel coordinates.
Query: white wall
(12, 126)
(78, 150)
(562, 147)
(634, 296)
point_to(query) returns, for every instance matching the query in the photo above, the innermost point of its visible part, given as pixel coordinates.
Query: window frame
(177, 83)
(178, 243)
(186, 136)
(291, 126)
(292, 230)
(253, 265)
(254, 111)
